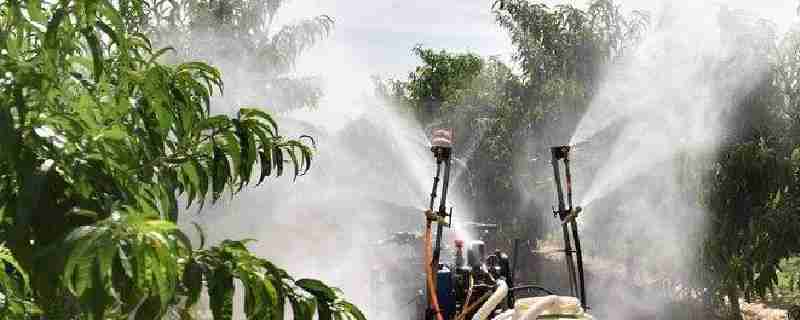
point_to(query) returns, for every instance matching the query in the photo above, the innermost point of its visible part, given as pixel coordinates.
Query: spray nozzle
(571, 215)
(442, 144)
(442, 214)
(442, 138)
(560, 152)
(441, 153)
(567, 215)
(430, 215)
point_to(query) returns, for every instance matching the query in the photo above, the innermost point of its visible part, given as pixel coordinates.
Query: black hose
(529, 287)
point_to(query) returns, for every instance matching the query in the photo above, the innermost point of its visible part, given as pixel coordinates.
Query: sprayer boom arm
(567, 214)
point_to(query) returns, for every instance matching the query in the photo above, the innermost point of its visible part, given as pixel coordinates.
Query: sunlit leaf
(220, 292)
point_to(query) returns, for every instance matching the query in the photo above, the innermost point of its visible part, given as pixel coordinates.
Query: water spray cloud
(661, 113)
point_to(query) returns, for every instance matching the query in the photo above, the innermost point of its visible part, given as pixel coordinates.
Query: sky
(380, 34)
(377, 35)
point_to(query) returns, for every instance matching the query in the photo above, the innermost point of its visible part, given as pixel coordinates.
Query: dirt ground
(635, 297)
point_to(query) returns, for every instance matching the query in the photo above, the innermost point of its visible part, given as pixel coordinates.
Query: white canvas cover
(548, 307)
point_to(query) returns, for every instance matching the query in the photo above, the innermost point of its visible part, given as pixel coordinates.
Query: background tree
(751, 192)
(441, 79)
(507, 119)
(240, 36)
(99, 141)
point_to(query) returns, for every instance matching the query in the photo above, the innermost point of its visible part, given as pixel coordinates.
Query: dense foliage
(243, 40)
(751, 190)
(101, 147)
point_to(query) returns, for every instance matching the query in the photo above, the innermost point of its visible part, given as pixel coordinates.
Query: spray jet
(567, 213)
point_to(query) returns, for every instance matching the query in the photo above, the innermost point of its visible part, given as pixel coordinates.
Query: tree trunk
(747, 285)
(747, 297)
(733, 298)
(773, 293)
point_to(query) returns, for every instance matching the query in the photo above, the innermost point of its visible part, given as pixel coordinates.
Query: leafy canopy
(98, 142)
(240, 36)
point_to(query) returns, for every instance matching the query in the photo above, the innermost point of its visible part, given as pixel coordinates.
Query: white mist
(661, 113)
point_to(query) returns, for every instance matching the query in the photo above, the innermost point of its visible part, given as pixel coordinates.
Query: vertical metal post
(513, 274)
(558, 153)
(433, 200)
(437, 248)
(435, 184)
(574, 226)
(441, 146)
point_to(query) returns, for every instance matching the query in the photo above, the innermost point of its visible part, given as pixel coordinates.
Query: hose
(467, 309)
(469, 296)
(508, 315)
(494, 300)
(535, 310)
(429, 273)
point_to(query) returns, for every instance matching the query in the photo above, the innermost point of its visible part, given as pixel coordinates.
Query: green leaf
(8, 136)
(295, 163)
(193, 282)
(202, 174)
(247, 145)
(303, 308)
(352, 310)
(324, 312)
(7, 259)
(159, 53)
(112, 34)
(189, 170)
(265, 165)
(97, 297)
(250, 113)
(76, 272)
(35, 11)
(273, 297)
(259, 303)
(97, 52)
(221, 172)
(280, 306)
(29, 196)
(220, 293)
(200, 233)
(126, 263)
(318, 289)
(265, 153)
(50, 37)
(232, 151)
(150, 309)
(277, 160)
(105, 258)
(164, 270)
(252, 302)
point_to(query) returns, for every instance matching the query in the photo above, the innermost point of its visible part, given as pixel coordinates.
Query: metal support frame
(567, 214)
(443, 218)
(442, 155)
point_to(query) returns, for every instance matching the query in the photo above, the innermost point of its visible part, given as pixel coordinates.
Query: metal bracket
(448, 215)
